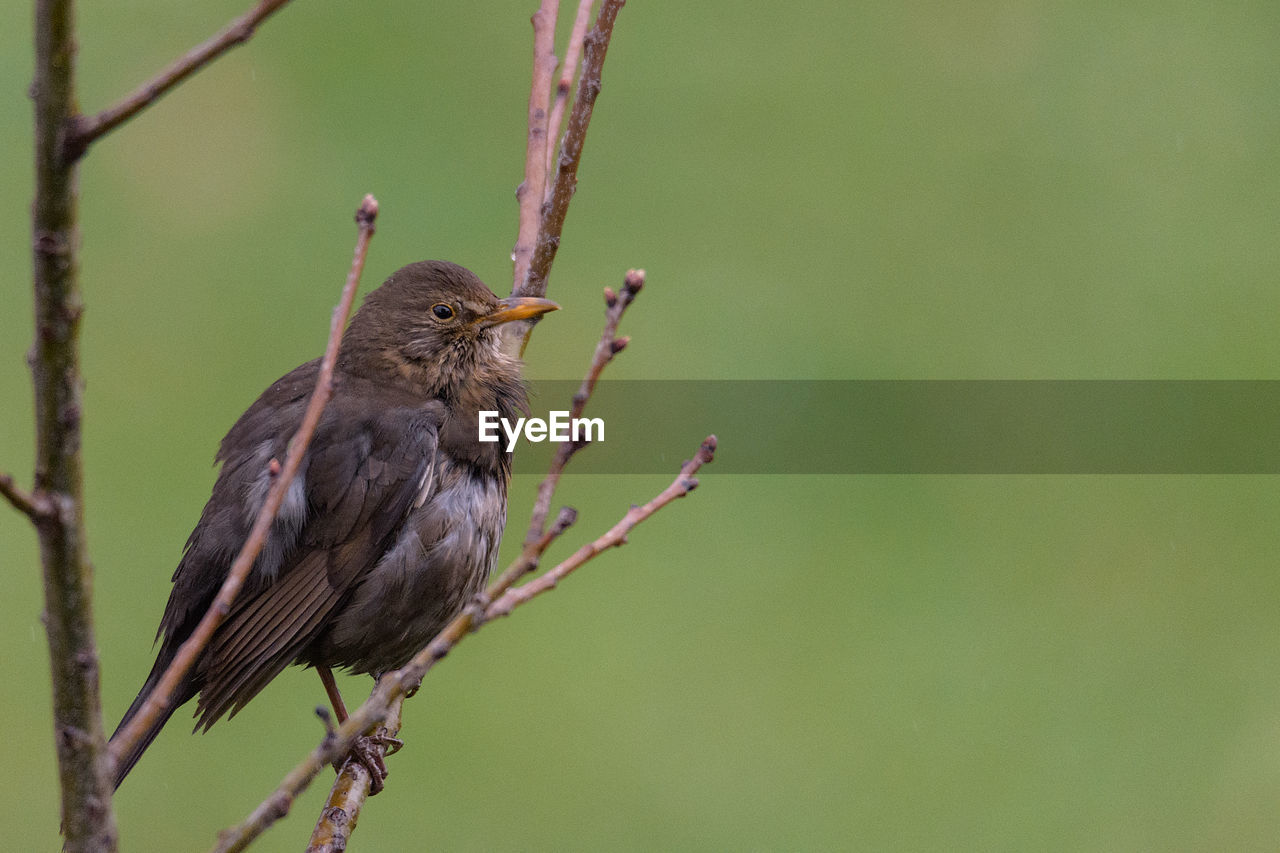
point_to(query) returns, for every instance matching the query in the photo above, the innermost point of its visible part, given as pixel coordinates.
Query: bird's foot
(369, 752)
(392, 744)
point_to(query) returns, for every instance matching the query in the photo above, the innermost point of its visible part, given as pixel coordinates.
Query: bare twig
(544, 252)
(347, 796)
(405, 680)
(572, 52)
(530, 192)
(84, 130)
(608, 346)
(85, 782)
(160, 698)
(35, 507)
(615, 537)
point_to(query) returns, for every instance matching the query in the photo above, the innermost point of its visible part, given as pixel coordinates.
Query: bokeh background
(1011, 189)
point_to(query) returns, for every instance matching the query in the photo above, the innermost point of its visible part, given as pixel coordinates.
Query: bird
(393, 522)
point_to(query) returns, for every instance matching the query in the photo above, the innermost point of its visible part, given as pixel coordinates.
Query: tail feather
(182, 695)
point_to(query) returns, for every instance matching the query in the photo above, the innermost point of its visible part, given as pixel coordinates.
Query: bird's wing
(368, 464)
(260, 435)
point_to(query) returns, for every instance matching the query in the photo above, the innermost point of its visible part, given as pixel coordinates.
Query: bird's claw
(392, 744)
(369, 752)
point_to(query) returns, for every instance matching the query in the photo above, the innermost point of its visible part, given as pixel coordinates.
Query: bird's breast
(439, 560)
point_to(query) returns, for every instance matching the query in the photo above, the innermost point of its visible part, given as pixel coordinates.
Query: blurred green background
(850, 191)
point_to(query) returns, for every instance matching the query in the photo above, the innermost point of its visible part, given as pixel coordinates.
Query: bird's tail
(185, 691)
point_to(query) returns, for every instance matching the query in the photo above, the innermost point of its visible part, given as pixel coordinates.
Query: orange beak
(517, 308)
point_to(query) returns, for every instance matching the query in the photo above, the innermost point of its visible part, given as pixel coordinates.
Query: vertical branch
(544, 252)
(531, 190)
(572, 53)
(88, 822)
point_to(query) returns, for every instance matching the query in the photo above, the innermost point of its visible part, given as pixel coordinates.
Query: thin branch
(615, 537)
(84, 130)
(608, 347)
(347, 796)
(544, 252)
(160, 698)
(530, 192)
(572, 52)
(85, 781)
(405, 680)
(33, 506)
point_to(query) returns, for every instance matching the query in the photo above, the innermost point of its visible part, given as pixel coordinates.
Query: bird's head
(438, 326)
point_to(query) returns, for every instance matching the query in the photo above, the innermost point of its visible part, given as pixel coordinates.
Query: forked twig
(85, 130)
(572, 53)
(596, 45)
(533, 187)
(33, 506)
(615, 537)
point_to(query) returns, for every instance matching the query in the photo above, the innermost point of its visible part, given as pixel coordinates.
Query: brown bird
(393, 522)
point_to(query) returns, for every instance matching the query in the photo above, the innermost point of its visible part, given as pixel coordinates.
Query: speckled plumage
(394, 520)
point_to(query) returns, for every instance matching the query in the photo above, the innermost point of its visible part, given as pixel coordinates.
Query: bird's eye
(442, 311)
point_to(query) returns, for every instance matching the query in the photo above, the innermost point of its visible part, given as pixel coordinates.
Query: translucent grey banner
(922, 427)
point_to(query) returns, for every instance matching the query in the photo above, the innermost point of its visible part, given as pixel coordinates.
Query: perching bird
(393, 522)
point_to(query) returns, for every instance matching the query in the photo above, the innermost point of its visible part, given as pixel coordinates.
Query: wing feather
(370, 465)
